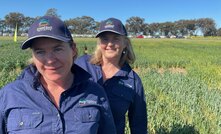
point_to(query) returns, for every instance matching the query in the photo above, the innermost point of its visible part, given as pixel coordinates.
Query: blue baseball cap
(47, 26)
(112, 25)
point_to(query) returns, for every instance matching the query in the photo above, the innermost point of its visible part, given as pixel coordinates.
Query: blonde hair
(127, 56)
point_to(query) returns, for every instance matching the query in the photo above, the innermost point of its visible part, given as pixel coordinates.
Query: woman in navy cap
(109, 66)
(53, 95)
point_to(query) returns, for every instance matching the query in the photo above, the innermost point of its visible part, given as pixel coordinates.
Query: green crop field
(181, 78)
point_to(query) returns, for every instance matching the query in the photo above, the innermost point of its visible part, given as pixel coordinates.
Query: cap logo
(109, 24)
(44, 25)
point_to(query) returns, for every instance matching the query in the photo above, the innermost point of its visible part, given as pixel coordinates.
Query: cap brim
(27, 43)
(108, 30)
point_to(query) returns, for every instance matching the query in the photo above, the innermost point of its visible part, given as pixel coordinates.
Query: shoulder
(83, 59)
(1, 100)
(10, 90)
(13, 87)
(23, 82)
(136, 76)
(131, 73)
(138, 85)
(84, 62)
(29, 73)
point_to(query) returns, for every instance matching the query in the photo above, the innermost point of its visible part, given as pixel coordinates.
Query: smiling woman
(53, 87)
(109, 66)
(53, 59)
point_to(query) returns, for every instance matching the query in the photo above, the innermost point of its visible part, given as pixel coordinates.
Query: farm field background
(181, 78)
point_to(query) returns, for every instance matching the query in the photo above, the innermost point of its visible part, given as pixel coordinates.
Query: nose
(50, 57)
(110, 43)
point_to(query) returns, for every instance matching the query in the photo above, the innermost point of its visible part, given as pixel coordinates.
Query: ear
(74, 51)
(125, 42)
(73, 47)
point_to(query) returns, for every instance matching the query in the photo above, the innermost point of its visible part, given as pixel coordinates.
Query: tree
(14, 18)
(135, 25)
(2, 26)
(27, 23)
(166, 28)
(219, 32)
(191, 26)
(181, 28)
(52, 12)
(207, 26)
(82, 25)
(153, 28)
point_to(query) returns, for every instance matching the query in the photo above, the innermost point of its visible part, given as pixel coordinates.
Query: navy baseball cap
(112, 25)
(47, 26)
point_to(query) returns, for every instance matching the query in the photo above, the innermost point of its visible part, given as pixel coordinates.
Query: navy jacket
(125, 93)
(25, 107)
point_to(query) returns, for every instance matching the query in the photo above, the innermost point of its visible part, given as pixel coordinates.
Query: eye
(39, 52)
(117, 39)
(104, 39)
(58, 49)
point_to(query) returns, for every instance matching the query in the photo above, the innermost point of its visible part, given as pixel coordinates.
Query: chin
(112, 56)
(54, 77)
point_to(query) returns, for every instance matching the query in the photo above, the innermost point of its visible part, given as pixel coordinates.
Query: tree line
(135, 25)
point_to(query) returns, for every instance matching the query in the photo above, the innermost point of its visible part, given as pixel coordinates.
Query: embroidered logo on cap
(44, 25)
(109, 24)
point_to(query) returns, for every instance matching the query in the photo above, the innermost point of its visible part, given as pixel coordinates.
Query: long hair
(127, 55)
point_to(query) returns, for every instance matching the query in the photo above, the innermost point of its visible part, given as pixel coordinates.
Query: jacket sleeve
(107, 125)
(2, 122)
(138, 111)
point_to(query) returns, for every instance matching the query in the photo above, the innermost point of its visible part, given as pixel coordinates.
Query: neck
(109, 69)
(62, 84)
(56, 88)
(110, 63)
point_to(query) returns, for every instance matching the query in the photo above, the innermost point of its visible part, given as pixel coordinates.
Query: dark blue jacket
(125, 93)
(25, 107)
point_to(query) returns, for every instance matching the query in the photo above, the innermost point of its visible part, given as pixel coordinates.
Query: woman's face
(53, 58)
(111, 46)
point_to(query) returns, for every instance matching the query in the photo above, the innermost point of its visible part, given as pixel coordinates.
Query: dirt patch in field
(178, 70)
(162, 70)
(137, 70)
(173, 70)
(140, 70)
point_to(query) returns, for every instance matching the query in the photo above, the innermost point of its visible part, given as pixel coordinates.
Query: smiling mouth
(52, 68)
(110, 50)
